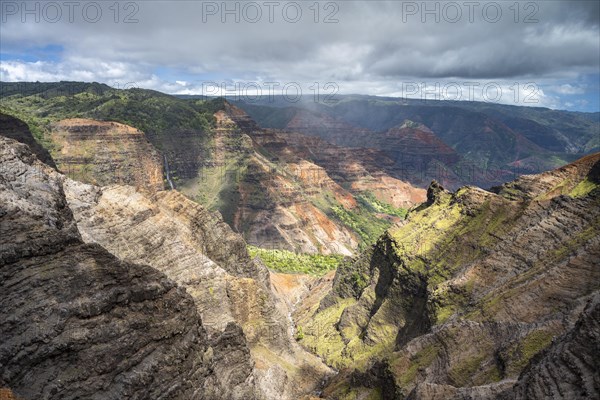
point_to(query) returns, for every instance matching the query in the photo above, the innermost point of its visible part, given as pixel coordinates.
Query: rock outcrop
(569, 368)
(77, 321)
(18, 130)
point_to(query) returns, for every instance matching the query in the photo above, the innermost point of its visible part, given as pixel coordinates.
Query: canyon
(126, 270)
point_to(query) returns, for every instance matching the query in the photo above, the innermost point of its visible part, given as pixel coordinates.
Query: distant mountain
(417, 155)
(496, 141)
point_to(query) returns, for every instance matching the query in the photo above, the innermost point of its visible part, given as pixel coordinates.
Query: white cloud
(568, 89)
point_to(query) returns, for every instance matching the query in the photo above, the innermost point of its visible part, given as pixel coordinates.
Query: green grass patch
(290, 262)
(364, 223)
(462, 372)
(321, 336)
(521, 353)
(421, 359)
(583, 188)
(371, 203)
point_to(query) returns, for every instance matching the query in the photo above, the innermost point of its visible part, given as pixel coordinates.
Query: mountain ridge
(456, 270)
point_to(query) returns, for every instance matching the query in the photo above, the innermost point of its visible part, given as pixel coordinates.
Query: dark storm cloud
(373, 41)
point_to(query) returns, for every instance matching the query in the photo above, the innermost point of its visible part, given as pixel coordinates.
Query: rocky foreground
(115, 293)
(77, 322)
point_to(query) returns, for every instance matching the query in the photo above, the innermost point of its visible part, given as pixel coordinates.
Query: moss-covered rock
(472, 286)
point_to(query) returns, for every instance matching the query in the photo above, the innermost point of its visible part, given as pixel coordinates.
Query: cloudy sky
(542, 53)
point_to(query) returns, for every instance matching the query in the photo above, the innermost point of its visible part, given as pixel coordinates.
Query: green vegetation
(422, 359)
(363, 219)
(447, 302)
(517, 356)
(344, 346)
(289, 262)
(430, 232)
(371, 203)
(364, 223)
(376, 394)
(583, 188)
(534, 343)
(152, 112)
(322, 337)
(464, 371)
(355, 393)
(299, 333)
(359, 281)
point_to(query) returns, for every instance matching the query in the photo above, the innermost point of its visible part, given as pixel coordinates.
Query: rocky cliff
(261, 197)
(104, 153)
(567, 369)
(77, 321)
(458, 301)
(232, 292)
(358, 170)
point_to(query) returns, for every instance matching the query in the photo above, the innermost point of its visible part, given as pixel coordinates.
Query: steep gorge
(280, 196)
